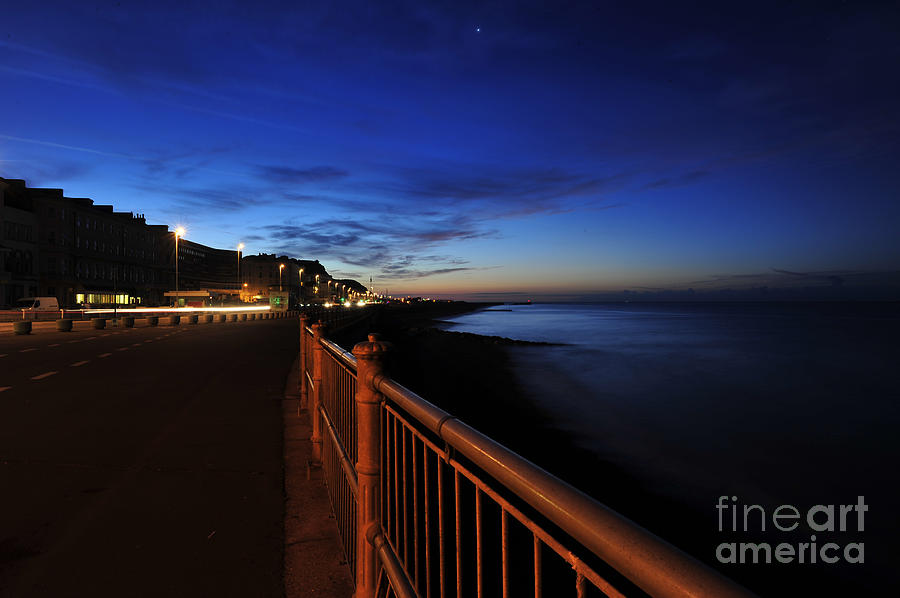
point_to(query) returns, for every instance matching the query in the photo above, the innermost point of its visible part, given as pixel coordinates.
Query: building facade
(91, 254)
(262, 275)
(18, 244)
(88, 254)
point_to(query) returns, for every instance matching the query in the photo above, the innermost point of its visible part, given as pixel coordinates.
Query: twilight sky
(480, 150)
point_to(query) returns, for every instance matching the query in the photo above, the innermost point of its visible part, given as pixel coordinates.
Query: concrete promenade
(155, 462)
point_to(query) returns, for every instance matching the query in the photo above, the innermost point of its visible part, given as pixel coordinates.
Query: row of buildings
(85, 253)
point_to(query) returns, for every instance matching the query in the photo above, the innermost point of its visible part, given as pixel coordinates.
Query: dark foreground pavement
(148, 463)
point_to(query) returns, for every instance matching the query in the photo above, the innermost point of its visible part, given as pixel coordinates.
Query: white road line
(122, 349)
(2, 388)
(54, 345)
(44, 375)
(79, 363)
(70, 342)
(4, 355)
(90, 338)
(102, 355)
(135, 344)
(146, 341)
(27, 350)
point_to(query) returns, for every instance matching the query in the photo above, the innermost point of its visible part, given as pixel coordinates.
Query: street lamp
(179, 232)
(301, 286)
(317, 285)
(239, 248)
(280, 270)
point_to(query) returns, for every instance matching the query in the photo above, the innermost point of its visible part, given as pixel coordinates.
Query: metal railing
(427, 506)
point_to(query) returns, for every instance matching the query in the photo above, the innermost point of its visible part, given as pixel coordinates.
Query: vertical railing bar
(478, 546)
(415, 469)
(458, 535)
(405, 487)
(441, 556)
(537, 566)
(396, 489)
(504, 533)
(386, 480)
(427, 522)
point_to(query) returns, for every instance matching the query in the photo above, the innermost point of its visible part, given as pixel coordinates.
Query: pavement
(150, 462)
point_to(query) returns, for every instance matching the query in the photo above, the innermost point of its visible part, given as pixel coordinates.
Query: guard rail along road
(427, 506)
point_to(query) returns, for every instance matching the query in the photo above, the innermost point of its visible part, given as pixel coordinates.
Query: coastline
(492, 384)
(477, 379)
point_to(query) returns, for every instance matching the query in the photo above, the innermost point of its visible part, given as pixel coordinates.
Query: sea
(732, 404)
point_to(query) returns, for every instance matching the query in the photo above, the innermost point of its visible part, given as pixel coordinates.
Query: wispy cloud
(86, 150)
(780, 278)
(678, 181)
(40, 174)
(287, 174)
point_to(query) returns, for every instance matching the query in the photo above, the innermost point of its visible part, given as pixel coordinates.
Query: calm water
(774, 403)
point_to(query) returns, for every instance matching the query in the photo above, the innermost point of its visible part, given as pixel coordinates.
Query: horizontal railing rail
(428, 506)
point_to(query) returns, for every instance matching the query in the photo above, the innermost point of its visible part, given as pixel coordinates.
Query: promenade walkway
(152, 462)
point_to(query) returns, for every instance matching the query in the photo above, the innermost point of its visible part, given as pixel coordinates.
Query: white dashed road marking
(2, 388)
(122, 349)
(79, 363)
(4, 355)
(135, 344)
(27, 350)
(70, 342)
(44, 375)
(90, 338)
(54, 345)
(102, 355)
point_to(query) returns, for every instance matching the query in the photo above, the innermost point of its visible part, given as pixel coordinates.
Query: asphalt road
(144, 461)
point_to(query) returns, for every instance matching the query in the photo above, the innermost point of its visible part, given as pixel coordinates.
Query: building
(88, 254)
(18, 244)
(302, 281)
(201, 268)
(262, 276)
(91, 254)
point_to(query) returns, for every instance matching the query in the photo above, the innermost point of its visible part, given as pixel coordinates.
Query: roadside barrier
(428, 506)
(100, 321)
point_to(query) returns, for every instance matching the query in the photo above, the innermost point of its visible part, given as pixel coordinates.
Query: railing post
(304, 391)
(317, 393)
(370, 357)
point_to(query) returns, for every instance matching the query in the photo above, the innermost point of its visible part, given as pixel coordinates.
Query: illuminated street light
(239, 248)
(179, 232)
(280, 270)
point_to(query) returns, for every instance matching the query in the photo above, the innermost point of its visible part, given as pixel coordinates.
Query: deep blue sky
(537, 149)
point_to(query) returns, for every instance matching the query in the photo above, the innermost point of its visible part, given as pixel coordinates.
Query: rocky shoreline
(474, 378)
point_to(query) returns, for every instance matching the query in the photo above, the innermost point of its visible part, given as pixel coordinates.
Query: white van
(38, 304)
